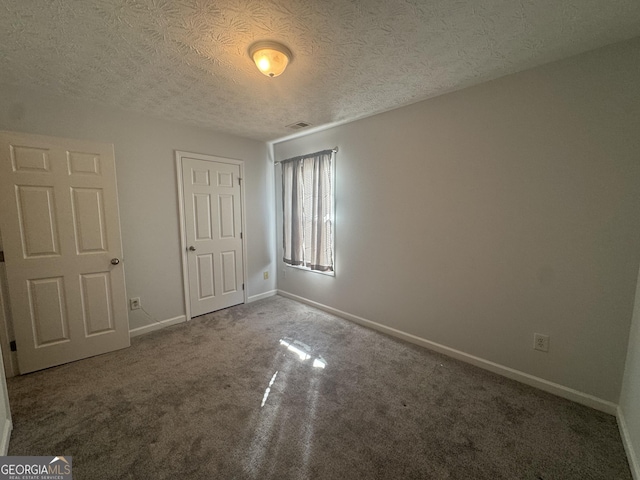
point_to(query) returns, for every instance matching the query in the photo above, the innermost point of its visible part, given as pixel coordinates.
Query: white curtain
(307, 199)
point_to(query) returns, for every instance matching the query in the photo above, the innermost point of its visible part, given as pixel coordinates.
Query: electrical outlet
(541, 342)
(266, 275)
(134, 303)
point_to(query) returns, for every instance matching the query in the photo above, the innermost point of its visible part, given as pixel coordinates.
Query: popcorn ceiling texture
(187, 60)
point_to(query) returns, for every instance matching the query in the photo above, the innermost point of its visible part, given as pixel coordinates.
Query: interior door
(61, 236)
(213, 219)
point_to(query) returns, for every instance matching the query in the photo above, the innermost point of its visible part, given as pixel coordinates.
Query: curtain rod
(334, 150)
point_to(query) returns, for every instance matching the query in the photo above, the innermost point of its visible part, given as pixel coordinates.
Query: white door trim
(9, 358)
(183, 234)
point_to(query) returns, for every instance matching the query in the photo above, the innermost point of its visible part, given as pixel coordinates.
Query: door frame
(180, 154)
(9, 358)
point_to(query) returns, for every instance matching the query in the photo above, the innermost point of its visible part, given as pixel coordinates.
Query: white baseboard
(540, 383)
(634, 463)
(260, 296)
(156, 326)
(6, 435)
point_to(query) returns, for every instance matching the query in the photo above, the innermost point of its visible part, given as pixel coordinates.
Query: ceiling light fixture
(271, 57)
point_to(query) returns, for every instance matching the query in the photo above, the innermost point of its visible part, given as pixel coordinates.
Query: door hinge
(240, 235)
(1, 256)
(243, 286)
(239, 181)
(12, 346)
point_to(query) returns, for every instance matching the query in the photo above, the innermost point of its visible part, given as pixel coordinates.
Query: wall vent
(298, 125)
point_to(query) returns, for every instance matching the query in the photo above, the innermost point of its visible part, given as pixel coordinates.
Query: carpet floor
(278, 390)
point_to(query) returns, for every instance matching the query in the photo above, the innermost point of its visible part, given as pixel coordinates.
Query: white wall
(5, 359)
(6, 424)
(146, 175)
(630, 396)
(479, 217)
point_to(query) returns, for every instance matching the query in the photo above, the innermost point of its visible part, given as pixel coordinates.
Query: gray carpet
(186, 402)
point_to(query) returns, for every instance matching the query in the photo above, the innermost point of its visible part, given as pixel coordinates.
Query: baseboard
(260, 296)
(634, 463)
(6, 435)
(156, 326)
(540, 383)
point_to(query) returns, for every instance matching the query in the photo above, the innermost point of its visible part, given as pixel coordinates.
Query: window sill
(305, 269)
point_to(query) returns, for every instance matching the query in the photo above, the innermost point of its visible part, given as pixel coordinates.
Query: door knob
(115, 261)
(192, 248)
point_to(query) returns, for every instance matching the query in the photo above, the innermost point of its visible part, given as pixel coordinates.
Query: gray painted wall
(147, 189)
(630, 396)
(477, 218)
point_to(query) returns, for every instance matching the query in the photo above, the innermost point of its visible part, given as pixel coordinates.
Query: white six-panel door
(213, 232)
(61, 236)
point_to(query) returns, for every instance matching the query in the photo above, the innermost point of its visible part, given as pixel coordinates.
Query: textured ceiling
(187, 60)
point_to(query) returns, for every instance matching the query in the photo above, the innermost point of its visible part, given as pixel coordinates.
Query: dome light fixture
(270, 57)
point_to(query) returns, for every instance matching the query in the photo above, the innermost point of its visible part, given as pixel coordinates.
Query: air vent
(298, 125)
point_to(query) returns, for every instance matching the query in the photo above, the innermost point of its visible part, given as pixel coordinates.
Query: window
(307, 200)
